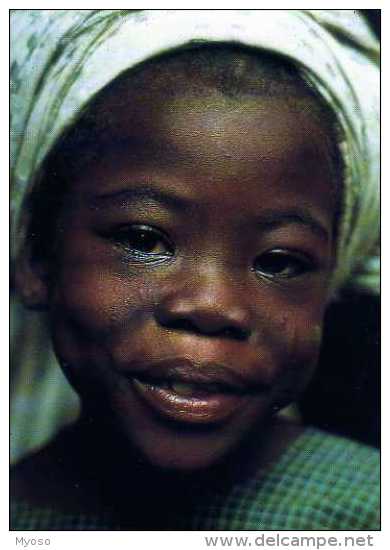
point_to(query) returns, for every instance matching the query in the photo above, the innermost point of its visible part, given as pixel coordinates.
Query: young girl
(190, 191)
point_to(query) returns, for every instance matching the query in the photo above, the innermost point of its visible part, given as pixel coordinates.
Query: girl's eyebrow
(141, 192)
(269, 219)
(272, 219)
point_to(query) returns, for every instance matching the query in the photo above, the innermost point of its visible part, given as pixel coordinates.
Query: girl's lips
(195, 407)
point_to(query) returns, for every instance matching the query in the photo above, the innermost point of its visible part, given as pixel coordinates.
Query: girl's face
(193, 271)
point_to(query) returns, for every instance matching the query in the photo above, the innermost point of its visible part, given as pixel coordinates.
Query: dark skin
(226, 259)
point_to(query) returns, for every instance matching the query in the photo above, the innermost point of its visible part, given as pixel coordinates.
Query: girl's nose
(209, 306)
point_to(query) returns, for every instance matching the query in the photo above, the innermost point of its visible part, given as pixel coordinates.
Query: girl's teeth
(182, 388)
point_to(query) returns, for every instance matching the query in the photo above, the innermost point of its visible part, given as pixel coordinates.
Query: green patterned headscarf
(62, 58)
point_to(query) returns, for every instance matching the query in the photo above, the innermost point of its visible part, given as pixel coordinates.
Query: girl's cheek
(298, 330)
(100, 299)
(91, 309)
(300, 361)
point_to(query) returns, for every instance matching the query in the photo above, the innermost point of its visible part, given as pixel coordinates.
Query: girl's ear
(31, 279)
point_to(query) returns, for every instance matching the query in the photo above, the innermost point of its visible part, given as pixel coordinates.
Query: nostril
(205, 312)
(187, 325)
(235, 333)
(181, 324)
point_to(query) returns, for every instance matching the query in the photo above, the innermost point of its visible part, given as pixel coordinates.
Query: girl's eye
(144, 241)
(283, 264)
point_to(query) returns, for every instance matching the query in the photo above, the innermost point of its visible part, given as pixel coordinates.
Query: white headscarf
(62, 58)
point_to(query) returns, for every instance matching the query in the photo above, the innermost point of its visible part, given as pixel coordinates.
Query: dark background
(344, 395)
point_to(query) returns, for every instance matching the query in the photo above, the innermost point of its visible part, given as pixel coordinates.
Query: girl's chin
(171, 446)
(181, 448)
(165, 442)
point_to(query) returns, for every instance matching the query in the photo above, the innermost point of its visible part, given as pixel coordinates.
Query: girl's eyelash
(283, 264)
(143, 242)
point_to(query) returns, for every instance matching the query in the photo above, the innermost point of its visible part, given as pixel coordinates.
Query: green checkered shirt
(320, 482)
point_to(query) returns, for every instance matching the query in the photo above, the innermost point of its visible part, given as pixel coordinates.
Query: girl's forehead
(212, 80)
(213, 147)
(246, 133)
